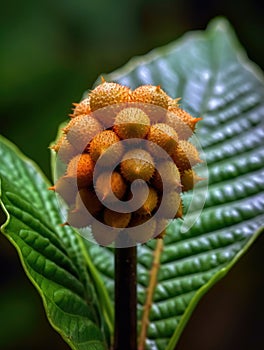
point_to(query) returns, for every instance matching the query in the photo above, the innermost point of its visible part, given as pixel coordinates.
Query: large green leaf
(212, 74)
(53, 256)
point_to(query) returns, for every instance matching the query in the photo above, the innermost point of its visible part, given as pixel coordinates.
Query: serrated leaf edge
(4, 230)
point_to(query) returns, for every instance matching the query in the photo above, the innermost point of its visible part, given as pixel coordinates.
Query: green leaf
(53, 256)
(211, 73)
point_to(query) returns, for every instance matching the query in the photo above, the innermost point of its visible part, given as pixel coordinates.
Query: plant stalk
(125, 336)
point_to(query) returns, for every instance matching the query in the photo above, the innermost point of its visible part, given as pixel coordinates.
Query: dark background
(53, 50)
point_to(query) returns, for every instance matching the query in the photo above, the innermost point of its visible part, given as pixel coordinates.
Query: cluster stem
(125, 337)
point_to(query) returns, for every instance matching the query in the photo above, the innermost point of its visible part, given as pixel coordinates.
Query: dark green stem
(125, 337)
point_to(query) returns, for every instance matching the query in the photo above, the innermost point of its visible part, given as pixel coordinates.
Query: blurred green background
(51, 51)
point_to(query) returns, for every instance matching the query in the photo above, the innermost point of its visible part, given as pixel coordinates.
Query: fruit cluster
(115, 137)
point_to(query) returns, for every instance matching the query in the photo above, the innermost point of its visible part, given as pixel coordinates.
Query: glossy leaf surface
(215, 80)
(53, 256)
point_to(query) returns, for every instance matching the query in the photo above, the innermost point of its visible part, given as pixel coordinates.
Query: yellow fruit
(81, 130)
(186, 155)
(189, 179)
(161, 226)
(151, 94)
(103, 234)
(166, 176)
(103, 160)
(82, 108)
(164, 136)
(115, 219)
(182, 122)
(67, 188)
(81, 167)
(138, 233)
(131, 123)
(179, 213)
(150, 203)
(57, 145)
(110, 186)
(169, 205)
(107, 94)
(64, 149)
(137, 164)
(100, 144)
(106, 115)
(78, 218)
(174, 102)
(87, 198)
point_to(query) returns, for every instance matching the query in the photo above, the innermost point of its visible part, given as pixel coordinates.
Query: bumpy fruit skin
(100, 146)
(87, 199)
(107, 94)
(104, 234)
(186, 155)
(163, 159)
(170, 205)
(107, 182)
(81, 167)
(142, 234)
(189, 179)
(67, 188)
(182, 122)
(64, 149)
(78, 218)
(115, 219)
(168, 177)
(179, 213)
(161, 225)
(82, 108)
(137, 164)
(131, 123)
(150, 94)
(81, 130)
(150, 203)
(164, 136)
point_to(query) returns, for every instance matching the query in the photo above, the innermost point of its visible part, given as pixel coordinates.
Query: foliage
(211, 73)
